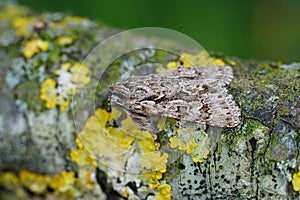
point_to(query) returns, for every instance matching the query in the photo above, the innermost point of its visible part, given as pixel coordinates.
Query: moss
(253, 160)
(29, 93)
(274, 140)
(263, 95)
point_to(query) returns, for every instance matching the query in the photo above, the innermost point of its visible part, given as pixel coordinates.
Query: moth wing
(192, 94)
(218, 109)
(215, 109)
(223, 74)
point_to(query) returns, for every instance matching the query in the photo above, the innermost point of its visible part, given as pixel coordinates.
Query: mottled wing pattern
(193, 94)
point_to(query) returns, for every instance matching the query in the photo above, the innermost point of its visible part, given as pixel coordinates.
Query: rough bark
(256, 159)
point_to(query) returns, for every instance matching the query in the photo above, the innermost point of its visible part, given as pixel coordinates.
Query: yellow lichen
(231, 62)
(78, 143)
(163, 192)
(33, 47)
(83, 158)
(193, 142)
(80, 74)
(152, 178)
(87, 164)
(161, 125)
(63, 182)
(34, 182)
(125, 193)
(118, 139)
(130, 128)
(23, 25)
(72, 77)
(64, 67)
(201, 151)
(184, 141)
(155, 161)
(145, 139)
(48, 92)
(105, 142)
(110, 137)
(115, 114)
(146, 144)
(160, 69)
(90, 180)
(200, 59)
(187, 146)
(173, 65)
(92, 137)
(279, 63)
(9, 180)
(103, 117)
(64, 40)
(218, 62)
(296, 181)
(51, 95)
(64, 102)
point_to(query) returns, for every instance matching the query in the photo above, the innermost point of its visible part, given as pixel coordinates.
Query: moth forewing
(196, 94)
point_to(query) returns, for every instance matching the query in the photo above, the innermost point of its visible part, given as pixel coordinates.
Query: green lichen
(257, 159)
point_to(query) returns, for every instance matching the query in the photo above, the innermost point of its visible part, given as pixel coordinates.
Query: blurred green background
(264, 29)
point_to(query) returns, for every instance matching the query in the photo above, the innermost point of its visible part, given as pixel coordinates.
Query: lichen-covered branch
(101, 153)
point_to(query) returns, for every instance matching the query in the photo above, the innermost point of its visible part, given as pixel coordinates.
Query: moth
(196, 94)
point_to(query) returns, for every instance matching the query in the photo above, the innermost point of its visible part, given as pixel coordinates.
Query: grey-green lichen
(257, 159)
